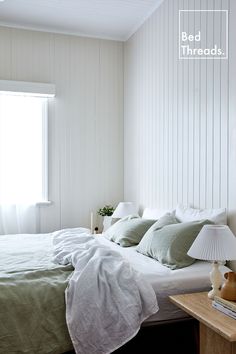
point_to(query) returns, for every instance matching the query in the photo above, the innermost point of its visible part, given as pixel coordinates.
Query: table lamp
(214, 243)
(124, 209)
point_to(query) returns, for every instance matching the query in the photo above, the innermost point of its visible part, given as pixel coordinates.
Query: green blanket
(32, 297)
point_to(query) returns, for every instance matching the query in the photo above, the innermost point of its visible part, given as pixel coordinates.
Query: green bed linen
(32, 297)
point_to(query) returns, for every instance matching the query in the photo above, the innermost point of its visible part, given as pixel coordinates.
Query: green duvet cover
(32, 296)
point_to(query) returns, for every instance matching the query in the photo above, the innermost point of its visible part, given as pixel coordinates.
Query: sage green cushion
(128, 231)
(145, 245)
(111, 231)
(170, 244)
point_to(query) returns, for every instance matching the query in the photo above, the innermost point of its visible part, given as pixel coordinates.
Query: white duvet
(106, 299)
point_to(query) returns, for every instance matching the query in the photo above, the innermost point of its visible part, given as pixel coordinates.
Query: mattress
(165, 281)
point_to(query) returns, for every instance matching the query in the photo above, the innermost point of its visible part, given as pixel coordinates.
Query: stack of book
(225, 306)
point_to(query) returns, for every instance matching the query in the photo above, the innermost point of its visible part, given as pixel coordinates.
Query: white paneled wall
(180, 115)
(85, 119)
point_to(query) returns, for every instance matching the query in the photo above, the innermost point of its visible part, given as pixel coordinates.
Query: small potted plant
(106, 212)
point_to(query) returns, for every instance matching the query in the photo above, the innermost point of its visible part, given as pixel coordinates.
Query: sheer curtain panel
(23, 154)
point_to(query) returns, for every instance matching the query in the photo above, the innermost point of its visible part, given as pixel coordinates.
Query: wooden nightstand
(217, 330)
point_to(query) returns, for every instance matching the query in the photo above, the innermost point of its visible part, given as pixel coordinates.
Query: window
(23, 148)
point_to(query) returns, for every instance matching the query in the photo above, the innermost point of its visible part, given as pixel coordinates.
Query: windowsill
(44, 203)
(41, 203)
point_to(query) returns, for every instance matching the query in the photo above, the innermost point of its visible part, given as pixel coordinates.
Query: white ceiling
(111, 19)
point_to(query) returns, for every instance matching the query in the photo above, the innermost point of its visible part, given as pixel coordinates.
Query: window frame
(43, 91)
(45, 170)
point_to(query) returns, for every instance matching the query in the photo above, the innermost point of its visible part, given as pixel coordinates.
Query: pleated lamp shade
(124, 209)
(214, 243)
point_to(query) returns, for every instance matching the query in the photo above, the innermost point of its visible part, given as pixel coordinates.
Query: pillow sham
(170, 244)
(112, 229)
(145, 244)
(128, 231)
(185, 214)
(154, 213)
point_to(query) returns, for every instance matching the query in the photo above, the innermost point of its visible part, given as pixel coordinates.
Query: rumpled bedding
(32, 296)
(106, 299)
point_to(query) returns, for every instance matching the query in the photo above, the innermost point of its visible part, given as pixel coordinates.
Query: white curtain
(18, 218)
(21, 162)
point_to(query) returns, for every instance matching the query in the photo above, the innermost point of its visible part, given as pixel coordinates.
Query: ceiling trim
(69, 33)
(136, 28)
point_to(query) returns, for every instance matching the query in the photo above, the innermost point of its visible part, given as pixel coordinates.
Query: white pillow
(154, 213)
(185, 214)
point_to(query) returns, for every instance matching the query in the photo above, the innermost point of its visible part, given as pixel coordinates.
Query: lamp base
(216, 281)
(213, 293)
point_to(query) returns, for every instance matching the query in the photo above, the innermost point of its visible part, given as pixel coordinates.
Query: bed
(32, 291)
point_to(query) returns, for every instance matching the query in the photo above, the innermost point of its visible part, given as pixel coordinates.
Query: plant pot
(107, 220)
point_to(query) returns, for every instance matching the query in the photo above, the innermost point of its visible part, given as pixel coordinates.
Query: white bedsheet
(106, 299)
(165, 281)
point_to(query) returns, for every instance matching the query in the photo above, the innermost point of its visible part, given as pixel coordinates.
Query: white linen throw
(106, 299)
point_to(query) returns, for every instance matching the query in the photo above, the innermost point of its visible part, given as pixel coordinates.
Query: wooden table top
(199, 306)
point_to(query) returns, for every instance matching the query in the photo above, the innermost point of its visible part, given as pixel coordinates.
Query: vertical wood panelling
(197, 118)
(85, 118)
(210, 82)
(184, 113)
(174, 152)
(230, 176)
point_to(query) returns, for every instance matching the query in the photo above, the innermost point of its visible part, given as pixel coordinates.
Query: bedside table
(217, 330)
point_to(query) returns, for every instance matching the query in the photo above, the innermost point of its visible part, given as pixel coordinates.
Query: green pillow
(145, 245)
(109, 233)
(170, 244)
(128, 231)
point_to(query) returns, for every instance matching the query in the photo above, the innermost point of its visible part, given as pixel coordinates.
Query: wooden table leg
(213, 343)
